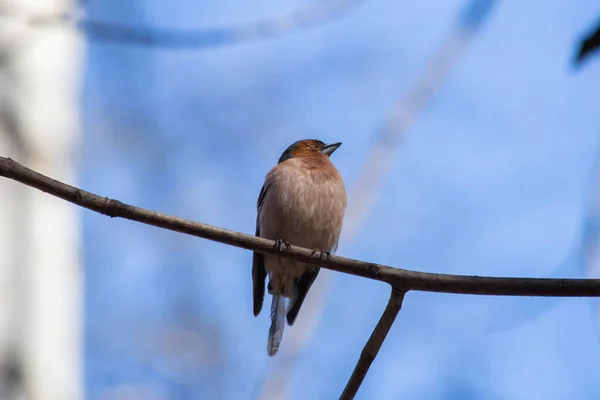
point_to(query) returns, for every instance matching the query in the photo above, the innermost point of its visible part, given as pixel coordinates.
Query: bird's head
(309, 148)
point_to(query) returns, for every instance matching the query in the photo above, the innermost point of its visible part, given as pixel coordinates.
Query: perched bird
(302, 202)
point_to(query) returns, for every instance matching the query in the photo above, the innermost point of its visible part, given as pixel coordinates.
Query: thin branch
(401, 279)
(388, 140)
(315, 14)
(367, 356)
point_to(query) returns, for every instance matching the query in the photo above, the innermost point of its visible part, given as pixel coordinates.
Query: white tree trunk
(46, 72)
(12, 239)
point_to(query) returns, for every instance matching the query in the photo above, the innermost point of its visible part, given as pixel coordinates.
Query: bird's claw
(321, 254)
(279, 243)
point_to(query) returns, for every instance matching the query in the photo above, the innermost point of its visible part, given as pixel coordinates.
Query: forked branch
(401, 280)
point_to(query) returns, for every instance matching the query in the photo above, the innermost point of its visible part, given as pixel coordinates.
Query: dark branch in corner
(315, 14)
(400, 279)
(590, 44)
(367, 356)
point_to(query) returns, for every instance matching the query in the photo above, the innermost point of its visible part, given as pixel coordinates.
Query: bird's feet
(280, 243)
(322, 253)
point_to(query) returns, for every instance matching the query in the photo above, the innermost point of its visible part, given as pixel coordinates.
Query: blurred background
(471, 138)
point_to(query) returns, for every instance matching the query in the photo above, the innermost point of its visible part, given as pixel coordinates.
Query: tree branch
(367, 356)
(400, 279)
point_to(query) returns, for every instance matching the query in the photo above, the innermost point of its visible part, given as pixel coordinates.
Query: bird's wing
(304, 283)
(259, 274)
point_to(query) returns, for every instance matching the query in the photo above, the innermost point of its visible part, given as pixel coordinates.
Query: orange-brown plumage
(308, 148)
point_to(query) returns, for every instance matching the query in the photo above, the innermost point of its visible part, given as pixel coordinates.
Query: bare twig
(388, 141)
(374, 344)
(401, 279)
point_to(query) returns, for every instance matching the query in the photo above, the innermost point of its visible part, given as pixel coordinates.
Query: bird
(302, 202)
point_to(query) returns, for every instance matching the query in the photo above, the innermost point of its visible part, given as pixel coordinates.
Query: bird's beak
(330, 148)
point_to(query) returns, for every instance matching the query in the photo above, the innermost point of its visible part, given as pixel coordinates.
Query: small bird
(302, 202)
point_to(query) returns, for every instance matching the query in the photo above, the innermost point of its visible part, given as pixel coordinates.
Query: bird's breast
(305, 208)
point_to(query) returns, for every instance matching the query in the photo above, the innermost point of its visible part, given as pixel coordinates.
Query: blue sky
(492, 179)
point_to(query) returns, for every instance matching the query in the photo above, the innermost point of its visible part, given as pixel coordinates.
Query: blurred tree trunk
(12, 251)
(39, 236)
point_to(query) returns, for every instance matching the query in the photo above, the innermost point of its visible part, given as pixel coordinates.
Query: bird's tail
(278, 310)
